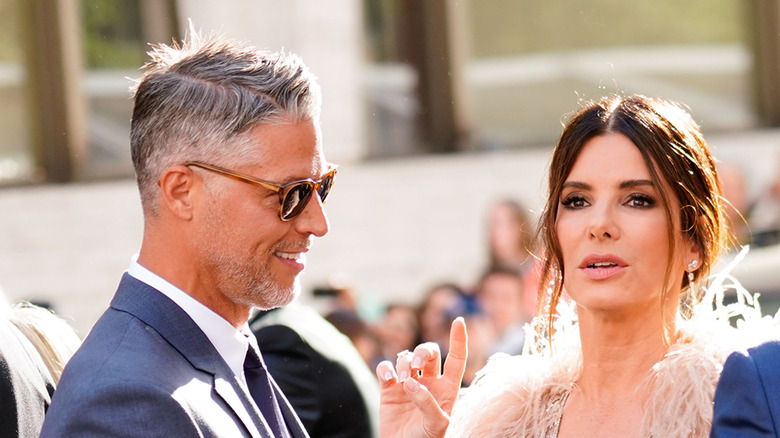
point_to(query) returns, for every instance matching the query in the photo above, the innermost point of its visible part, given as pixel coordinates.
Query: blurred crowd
(495, 306)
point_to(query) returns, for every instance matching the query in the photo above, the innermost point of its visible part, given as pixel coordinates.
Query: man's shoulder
(125, 368)
(758, 363)
(767, 349)
(118, 407)
(765, 357)
(767, 352)
(121, 347)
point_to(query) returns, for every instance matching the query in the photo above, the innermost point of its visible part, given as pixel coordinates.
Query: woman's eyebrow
(636, 183)
(623, 185)
(577, 185)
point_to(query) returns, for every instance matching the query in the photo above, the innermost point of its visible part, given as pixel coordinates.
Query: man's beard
(240, 277)
(250, 282)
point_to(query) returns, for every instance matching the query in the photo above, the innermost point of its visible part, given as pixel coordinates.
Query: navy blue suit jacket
(747, 399)
(146, 369)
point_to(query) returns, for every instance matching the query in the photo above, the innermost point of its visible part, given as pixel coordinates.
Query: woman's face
(505, 234)
(612, 229)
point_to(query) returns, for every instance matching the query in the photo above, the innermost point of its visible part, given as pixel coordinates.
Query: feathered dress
(524, 395)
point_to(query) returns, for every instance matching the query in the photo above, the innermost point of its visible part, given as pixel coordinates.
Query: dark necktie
(259, 385)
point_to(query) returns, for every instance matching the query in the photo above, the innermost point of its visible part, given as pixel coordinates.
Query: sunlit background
(434, 109)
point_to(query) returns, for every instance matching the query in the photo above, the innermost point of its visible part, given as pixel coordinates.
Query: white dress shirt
(231, 344)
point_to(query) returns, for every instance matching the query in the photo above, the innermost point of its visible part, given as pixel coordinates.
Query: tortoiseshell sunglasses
(293, 196)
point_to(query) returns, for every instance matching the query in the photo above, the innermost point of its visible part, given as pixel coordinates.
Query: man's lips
(293, 250)
(298, 257)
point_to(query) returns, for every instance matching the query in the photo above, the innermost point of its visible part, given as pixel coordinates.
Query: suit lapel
(172, 323)
(242, 408)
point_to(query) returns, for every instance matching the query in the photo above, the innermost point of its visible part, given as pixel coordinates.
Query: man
(227, 152)
(747, 400)
(500, 294)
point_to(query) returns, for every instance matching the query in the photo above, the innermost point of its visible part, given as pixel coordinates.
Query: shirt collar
(231, 344)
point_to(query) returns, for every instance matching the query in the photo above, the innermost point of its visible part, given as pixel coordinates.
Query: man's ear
(177, 184)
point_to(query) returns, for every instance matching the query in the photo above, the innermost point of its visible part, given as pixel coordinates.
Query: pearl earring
(692, 267)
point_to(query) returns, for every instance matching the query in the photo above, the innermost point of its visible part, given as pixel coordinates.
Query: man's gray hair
(200, 100)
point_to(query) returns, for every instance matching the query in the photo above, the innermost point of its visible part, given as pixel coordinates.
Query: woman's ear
(693, 255)
(176, 185)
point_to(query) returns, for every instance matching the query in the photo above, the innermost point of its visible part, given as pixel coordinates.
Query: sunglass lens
(327, 183)
(295, 200)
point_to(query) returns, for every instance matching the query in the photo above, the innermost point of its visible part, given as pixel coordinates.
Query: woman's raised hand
(416, 398)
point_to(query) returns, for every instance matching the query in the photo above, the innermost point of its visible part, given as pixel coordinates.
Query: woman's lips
(602, 266)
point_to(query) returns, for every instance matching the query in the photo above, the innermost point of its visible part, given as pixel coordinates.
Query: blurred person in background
(497, 324)
(26, 386)
(55, 340)
(482, 336)
(510, 245)
(359, 333)
(764, 212)
(633, 224)
(338, 293)
(397, 330)
(500, 296)
(735, 193)
(321, 373)
(510, 234)
(227, 149)
(35, 345)
(441, 304)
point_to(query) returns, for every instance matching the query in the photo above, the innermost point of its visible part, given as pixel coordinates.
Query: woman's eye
(641, 201)
(573, 202)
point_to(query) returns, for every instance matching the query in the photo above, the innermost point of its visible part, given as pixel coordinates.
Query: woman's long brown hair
(674, 151)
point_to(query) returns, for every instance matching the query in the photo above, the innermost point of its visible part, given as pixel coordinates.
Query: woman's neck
(618, 352)
(617, 355)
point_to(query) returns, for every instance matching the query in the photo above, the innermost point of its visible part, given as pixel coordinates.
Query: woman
(633, 225)
(509, 236)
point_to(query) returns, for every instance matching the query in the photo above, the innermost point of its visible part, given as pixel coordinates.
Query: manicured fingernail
(403, 376)
(414, 385)
(417, 362)
(388, 376)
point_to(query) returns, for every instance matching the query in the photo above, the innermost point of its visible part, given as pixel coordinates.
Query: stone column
(54, 68)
